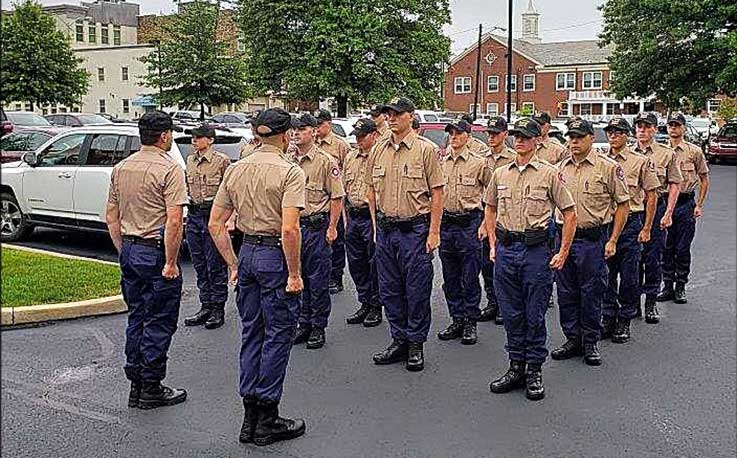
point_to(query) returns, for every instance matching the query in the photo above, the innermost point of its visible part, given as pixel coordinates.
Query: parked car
(705, 127)
(690, 135)
(77, 119)
(112, 118)
(428, 116)
(342, 127)
(65, 182)
(6, 126)
(226, 142)
(23, 140)
(232, 119)
(723, 145)
(24, 119)
(185, 115)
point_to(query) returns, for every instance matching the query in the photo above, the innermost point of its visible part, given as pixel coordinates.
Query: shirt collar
(266, 148)
(206, 155)
(408, 140)
(534, 163)
(590, 158)
(327, 139)
(622, 153)
(152, 149)
(462, 154)
(308, 155)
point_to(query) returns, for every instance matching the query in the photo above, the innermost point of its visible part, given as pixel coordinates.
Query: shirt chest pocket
(212, 184)
(315, 192)
(596, 193)
(413, 177)
(688, 169)
(350, 177)
(378, 174)
(633, 179)
(504, 200)
(660, 170)
(467, 186)
(537, 203)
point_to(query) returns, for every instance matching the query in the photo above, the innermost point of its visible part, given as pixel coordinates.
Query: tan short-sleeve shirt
(666, 166)
(248, 148)
(639, 173)
(335, 146)
(596, 183)
(467, 177)
(551, 151)
(495, 160)
(692, 164)
(258, 187)
(402, 176)
(355, 171)
(525, 197)
(477, 146)
(204, 173)
(324, 180)
(143, 185)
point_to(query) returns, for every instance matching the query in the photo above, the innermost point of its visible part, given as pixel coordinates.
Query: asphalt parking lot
(670, 392)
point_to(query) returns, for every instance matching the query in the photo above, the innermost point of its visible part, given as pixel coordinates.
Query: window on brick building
(80, 33)
(478, 108)
(528, 83)
(512, 83)
(102, 106)
(492, 109)
(462, 85)
(126, 106)
(116, 35)
(565, 81)
(92, 34)
(101, 74)
(592, 80)
(124, 73)
(492, 83)
(104, 34)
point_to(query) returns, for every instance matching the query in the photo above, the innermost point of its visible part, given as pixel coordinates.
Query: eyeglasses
(615, 133)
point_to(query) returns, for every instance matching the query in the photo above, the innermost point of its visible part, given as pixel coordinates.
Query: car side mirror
(30, 158)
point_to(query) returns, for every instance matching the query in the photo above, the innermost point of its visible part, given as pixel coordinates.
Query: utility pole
(478, 75)
(509, 63)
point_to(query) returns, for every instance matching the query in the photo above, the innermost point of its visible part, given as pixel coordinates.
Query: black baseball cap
(619, 124)
(467, 117)
(496, 124)
(677, 117)
(376, 110)
(542, 118)
(572, 119)
(580, 127)
(205, 130)
(526, 127)
(363, 126)
(460, 125)
(323, 115)
(154, 123)
(648, 118)
(399, 104)
(272, 122)
(304, 120)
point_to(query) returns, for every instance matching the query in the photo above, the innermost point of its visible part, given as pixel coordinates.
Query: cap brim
(646, 121)
(581, 133)
(521, 133)
(677, 121)
(496, 130)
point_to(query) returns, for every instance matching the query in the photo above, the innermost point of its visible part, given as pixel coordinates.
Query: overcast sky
(560, 20)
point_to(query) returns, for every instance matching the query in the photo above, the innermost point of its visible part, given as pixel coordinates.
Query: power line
(572, 26)
(476, 28)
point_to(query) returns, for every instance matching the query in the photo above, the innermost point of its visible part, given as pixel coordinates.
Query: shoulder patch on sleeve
(562, 177)
(620, 172)
(335, 172)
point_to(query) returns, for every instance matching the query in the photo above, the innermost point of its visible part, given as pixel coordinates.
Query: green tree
(357, 51)
(38, 64)
(676, 49)
(194, 66)
(727, 109)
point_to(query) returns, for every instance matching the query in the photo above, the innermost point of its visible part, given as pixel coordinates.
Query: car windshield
(229, 145)
(93, 119)
(27, 119)
(431, 118)
(729, 131)
(338, 130)
(437, 136)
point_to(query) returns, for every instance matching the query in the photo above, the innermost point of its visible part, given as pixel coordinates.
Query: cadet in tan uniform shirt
(406, 195)
(499, 155)
(379, 118)
(460, 234)
(695, 171)
(318, 222)
(144, 217)
(359, 234)
(205, 169)
(597, 183)
(549, 149)
(669, 175)
(267, 192)
(520, 200)
(623, 290)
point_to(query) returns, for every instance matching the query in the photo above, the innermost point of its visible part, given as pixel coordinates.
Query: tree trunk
(202, 111)
(342, 101)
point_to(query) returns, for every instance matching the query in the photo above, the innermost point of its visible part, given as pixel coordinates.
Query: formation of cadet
(623, 222)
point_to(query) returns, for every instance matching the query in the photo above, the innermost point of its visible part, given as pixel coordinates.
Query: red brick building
(563, 78)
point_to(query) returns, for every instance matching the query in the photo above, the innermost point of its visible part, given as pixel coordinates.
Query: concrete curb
(10, 316)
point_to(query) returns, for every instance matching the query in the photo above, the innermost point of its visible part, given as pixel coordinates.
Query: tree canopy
(358, 51)
(676, 50)
(38, 64)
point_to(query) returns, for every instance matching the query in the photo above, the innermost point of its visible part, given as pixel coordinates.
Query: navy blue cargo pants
(268, 319)
(316, 274)
(651, 272)
(153, 311)
(212, 272)
(338, 255)
(360, 249)
(405, 273)
(460, 257)
(523, 283)
(677, 254)
(622, 297)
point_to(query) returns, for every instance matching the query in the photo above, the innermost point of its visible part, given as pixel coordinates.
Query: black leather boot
(395, 353)
(591, 354)
(303, 334)
(622, 331)
(498, 319)
(135, 394)
(667, 293)
(454, 331)
(200, 317)
(568, 350)
(470, 335)
(489, 312)
(316, 339)
(535, 389)
(359, 315)
(416, 357)
(651, 311)
(514, 378)
(154, 394)
(270, 427)
(607, 327)
(250, 416)
(373, 318)
(679, 294)
(217, 316)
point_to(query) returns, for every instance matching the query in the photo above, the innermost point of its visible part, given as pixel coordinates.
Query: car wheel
(14, 224)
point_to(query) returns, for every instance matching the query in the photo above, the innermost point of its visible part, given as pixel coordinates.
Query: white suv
(65, 182)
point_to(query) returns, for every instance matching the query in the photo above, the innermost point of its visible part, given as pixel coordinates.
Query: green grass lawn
(33, 279)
